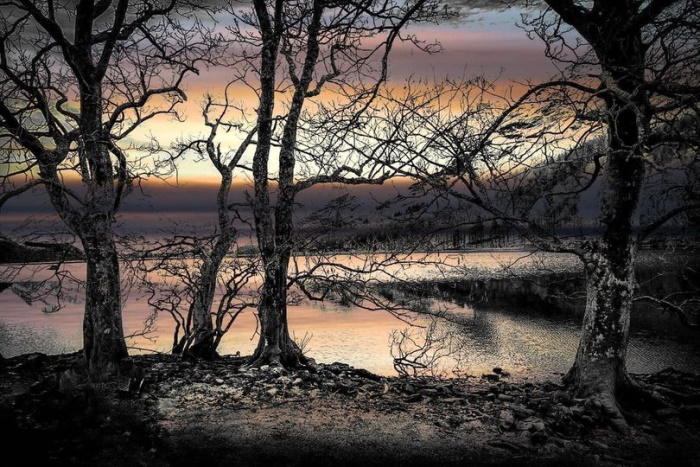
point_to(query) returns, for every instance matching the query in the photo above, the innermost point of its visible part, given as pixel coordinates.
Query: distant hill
(36, 252)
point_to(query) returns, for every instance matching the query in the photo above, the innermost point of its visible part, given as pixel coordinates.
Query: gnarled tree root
(616, 401)
(639, 394)
(291, 357)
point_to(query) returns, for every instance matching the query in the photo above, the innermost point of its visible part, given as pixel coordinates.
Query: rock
(505, 398)
(507, 419)
(563, 397)
(498, 370)
(534, 426)
(297, 382)
(618, 424)
(667, 413)
(441, 424)
(31, 361)
(337, 367)
(69, 381)
(278, 371)
(587, 420)
(284, 380)
(413, 398)
(538, 438)
(648, 429)
(347, 387)
(514, 447)
(599, 445)
(519, 410)
(692, 411)
(272, 392)
(43, 385)
(177, 382)
(362, 373)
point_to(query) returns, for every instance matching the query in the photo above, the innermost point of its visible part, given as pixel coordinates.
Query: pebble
(285, 380)
(599, 445)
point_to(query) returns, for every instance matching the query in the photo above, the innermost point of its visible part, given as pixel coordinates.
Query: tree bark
(204, 342)
(599, 368)
(40, 112)
(103, 334)
(275, 346)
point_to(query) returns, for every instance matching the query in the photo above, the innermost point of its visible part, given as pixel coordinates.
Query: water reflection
(525, 343)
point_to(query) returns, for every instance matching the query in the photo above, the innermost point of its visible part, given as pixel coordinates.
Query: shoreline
(166, 411)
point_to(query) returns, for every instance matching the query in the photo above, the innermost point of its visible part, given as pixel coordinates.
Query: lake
(526, 342)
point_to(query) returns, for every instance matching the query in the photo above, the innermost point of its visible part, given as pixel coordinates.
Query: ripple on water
(19, 338)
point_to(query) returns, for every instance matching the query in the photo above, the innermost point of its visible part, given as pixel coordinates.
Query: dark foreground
(163, 411)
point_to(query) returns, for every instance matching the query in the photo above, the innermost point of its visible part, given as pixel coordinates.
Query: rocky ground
(165, 411)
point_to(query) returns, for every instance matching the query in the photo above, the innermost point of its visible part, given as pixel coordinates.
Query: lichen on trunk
(103, 334)
(599, 369)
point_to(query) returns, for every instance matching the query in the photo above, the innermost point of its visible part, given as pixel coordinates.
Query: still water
(526, 343)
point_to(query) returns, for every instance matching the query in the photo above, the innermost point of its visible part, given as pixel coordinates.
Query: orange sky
(487, 43)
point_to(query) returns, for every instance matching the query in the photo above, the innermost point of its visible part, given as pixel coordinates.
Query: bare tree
(170, 274)
(621, 122)
(192, 266)
(77, 79)
(207, 333)
(297, 50)
(644, 57)
(429, 351)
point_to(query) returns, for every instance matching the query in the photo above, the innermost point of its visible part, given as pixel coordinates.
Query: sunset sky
(484, 41)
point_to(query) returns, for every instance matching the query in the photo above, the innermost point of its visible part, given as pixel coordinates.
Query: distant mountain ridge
(37, 252)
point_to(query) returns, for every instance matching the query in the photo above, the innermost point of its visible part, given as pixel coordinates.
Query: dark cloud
(496, 5)
(462, 11)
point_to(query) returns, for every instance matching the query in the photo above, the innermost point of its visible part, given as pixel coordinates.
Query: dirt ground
(333, 433)
(163, 411)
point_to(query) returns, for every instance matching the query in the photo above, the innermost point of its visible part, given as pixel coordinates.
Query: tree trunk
(275, 346)
(200, 309)
(103, 334)
(204, 343)
(599, 369)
